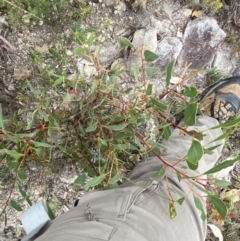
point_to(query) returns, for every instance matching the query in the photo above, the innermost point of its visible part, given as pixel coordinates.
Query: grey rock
(202, 37)
(164, 26)
(237, 71)
(168, 49)
(109, 53)
(143, 38)
(225, 60)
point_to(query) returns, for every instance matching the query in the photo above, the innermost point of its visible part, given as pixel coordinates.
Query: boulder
(202, 38)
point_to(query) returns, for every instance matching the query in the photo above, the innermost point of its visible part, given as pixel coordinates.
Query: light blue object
(34, 219)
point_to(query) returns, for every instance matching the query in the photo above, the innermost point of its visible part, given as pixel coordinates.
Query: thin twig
(143, 67)
(11, 47)
(139, 136)
(180, 97)
(169, 191)
(15, 180)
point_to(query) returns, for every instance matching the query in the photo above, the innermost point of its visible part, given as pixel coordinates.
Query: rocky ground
(175, 30)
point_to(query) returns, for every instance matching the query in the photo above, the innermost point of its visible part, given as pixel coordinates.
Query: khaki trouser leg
(139, 210)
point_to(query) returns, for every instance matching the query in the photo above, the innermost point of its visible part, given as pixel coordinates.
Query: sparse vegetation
(94, 122)
(34, 13)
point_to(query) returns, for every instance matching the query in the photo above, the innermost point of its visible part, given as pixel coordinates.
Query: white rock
(69, 52)
(224, 173)
(68, 180)
(86, 68)
(187, 12)
(175, 80)
(121, 7)
(146, 37)
(26, 19)
(90, 71)
(232, 196)
(101, 38)
(65, 208)
(216, 231)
